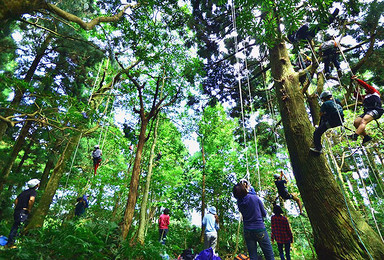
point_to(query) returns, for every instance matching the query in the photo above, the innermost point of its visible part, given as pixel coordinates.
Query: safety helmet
(276, 176)
(325, 94)
(32, 183)
(97, 146)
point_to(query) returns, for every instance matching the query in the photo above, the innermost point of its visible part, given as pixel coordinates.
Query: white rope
(97, 78)
(239, 85)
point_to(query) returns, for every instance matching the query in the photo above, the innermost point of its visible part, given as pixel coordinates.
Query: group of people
(331, 114)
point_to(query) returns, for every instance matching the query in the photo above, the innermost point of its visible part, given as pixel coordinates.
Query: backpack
(241, 257)
(188, 254)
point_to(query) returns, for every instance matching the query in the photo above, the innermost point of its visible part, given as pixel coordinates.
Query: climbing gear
(241, 257)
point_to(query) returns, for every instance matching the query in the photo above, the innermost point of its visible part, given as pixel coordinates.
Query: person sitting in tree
(23, 206)
(331, 115)
(96, 155)
(308, 32)
(163, 226)
(81, 205)
(283, 192)
(372, 110)
(329, 51)
(281, 232)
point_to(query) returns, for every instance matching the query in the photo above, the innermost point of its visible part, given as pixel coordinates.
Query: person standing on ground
(163, 226)
(23, 206)
(253, 212)
(96, 155)
(372, 110)
(211, 224)
(281, 232)
(283, 191)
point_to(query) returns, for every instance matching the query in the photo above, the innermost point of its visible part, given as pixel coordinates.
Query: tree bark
(15, 151)
(134, 184)
(144, 202)
(41, 211)
(335, 236)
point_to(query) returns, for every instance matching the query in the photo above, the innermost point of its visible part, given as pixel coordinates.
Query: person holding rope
(96, 156)
(329, 51)
(253, 212)
(331, 115)
(163, 226)
(283, 191)
(372, 110)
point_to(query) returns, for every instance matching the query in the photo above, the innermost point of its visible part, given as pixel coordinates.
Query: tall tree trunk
(27, 150)
(15, 151)
(53, 183)
(134, 184)
(19, 92)
(47, 169)
(335, 235)
(203, 206)
(144, 202)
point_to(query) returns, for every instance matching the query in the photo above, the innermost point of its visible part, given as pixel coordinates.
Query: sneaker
(353, 136)
(366, 139)
(316, 150)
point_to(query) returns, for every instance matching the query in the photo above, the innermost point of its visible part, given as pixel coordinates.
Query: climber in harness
(283, 192)
(331, 115)
(372, 110)
(96, 155)
(308, 32)
(329, 51)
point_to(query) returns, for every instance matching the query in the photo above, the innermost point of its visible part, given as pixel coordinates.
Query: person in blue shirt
(211, 225)
(253, 212)
(331, 113)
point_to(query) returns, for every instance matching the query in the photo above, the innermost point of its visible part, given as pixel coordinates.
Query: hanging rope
(239, 86)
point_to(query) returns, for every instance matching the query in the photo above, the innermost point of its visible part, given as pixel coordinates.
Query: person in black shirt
(23, 206)
(283, 192)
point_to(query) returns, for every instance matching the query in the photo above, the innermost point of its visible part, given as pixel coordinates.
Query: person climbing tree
(331, 115)
(23, 206)
(281, 232)
(81, 205)
(253, 212)
(309, 31)
(283, 192)
(96, 155)
(372, 110)
(158, 157)
(163, 226)
(248, 186)
(329, 52)
(211, 225)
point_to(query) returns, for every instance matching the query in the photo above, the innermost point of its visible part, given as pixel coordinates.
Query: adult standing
(163, 226)
(281, 232)
(23, 206)
(96, 155)
(211, 224)
(372, 110)
(253, 212)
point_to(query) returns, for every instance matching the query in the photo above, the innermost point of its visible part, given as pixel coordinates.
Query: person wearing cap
(96, 155)
(81, 205)
(331, 115)
(23, 206)
(283, 191)
(281, 232)
(253, 213)
(372, 110)
(163, 226)
(211, 224)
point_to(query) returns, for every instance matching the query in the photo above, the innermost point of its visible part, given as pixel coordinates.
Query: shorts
(375, 113)
(286, 196)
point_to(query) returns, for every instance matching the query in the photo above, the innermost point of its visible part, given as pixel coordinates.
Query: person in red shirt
(163, 226)
(372, 110)
(281, 232)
